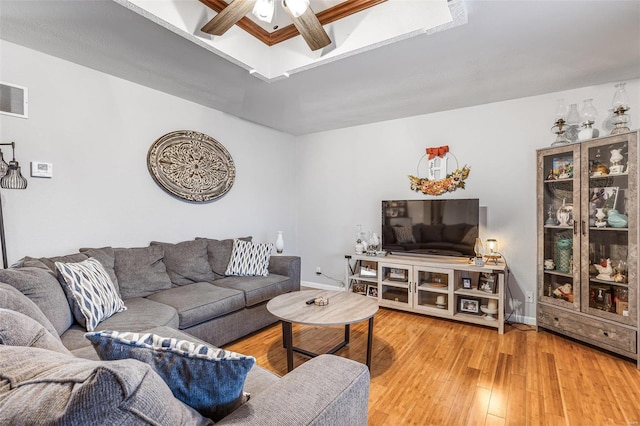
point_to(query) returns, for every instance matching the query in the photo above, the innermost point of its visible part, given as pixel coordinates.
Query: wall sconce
(492, 245)
(10, 178)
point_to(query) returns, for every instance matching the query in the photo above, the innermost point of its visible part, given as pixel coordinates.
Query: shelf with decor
(588, 242)
(434, 286)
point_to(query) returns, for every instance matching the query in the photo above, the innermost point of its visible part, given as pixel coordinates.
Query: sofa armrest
(326, 390)
(289, 266)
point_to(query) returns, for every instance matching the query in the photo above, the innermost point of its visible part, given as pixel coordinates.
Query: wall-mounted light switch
(43, 170)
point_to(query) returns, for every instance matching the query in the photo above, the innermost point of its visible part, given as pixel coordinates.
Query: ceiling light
(296, 7)
(263, 10)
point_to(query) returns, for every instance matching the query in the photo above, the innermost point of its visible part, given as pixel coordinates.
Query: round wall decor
(191, 166)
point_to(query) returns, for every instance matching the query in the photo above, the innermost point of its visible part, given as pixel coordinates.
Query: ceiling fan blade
(310, 28)
(228, 17)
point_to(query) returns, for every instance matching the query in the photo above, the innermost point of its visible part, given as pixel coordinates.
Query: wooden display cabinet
(588, 242)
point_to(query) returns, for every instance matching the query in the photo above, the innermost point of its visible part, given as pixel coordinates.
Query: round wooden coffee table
(344, 308)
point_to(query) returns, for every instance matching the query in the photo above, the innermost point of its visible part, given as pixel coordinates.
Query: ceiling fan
(304, 19)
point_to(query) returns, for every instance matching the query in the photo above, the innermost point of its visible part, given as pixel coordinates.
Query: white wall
(96, 129)
(343, 175)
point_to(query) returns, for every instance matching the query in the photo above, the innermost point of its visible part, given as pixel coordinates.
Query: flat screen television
(446, 227)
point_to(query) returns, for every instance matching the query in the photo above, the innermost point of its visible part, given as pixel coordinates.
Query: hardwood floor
(428, 371)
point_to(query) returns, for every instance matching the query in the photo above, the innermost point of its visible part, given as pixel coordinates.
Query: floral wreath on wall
(437, 166)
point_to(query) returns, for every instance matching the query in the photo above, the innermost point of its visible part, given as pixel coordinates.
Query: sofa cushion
(141, 314)
(187, 262)
(42, 287)
(11, 298)
(431, 233)
(141, 271)
(93, 295)
(200, 302)
(249, 259)
(107, 258)
(104, 255)
(455, 233)
(219, 253)
(470, 236)
(73, 391)
(258, 289)
(208, 379)
(17, 329)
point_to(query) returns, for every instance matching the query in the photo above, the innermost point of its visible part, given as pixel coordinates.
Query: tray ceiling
(508, 49)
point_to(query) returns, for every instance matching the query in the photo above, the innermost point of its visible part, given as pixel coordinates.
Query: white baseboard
(321, 286)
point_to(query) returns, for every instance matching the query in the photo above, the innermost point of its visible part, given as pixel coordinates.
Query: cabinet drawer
(609, 336)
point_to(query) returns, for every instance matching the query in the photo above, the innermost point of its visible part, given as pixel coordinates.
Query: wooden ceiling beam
(335, 13)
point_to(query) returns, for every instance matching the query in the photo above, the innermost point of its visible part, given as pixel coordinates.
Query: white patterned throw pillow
(403, 235)
(249, 259)
(94, 295)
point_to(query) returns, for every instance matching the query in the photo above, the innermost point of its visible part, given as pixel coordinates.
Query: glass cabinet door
(558, 221)
(609, 233)
(432, 289)
(395, 285)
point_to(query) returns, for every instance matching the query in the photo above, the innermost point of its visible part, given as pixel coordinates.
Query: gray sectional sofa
(172, 290)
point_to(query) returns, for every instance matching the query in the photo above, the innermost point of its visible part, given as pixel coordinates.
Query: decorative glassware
(559, 125)
(374, 243)
(551, 212)
(588, 116)
(616, 161)
(279, 243)
(564, 253)
(573, 122)
(598, 167)
(477, 248)
(620, 118)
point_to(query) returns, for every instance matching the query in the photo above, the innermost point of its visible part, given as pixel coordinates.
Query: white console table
(432, 285)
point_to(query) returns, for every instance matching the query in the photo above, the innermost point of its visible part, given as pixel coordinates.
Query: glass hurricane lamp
(588, 116)
(620, 103)
(559, 127)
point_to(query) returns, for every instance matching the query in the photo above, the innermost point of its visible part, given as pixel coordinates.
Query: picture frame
(398, 274)
(360, 288)
(18, 106)
(368, 269)
(466, 283)
(487, 282)
(469, 305)
(604, 197)
(372, 291)
(562, 168)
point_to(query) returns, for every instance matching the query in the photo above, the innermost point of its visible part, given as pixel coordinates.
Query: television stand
(444, 287)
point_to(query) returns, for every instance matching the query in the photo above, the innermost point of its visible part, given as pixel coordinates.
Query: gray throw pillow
(187, 262)
(39, 386)
(205, 378)
(141, 271)
(41, 286)
(219, 253)
(12, 299)
(17, 329)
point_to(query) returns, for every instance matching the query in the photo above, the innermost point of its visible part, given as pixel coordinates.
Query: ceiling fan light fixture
(296, 7)
(263, 10)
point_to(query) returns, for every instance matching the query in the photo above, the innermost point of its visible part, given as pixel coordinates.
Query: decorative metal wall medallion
(191, 166)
